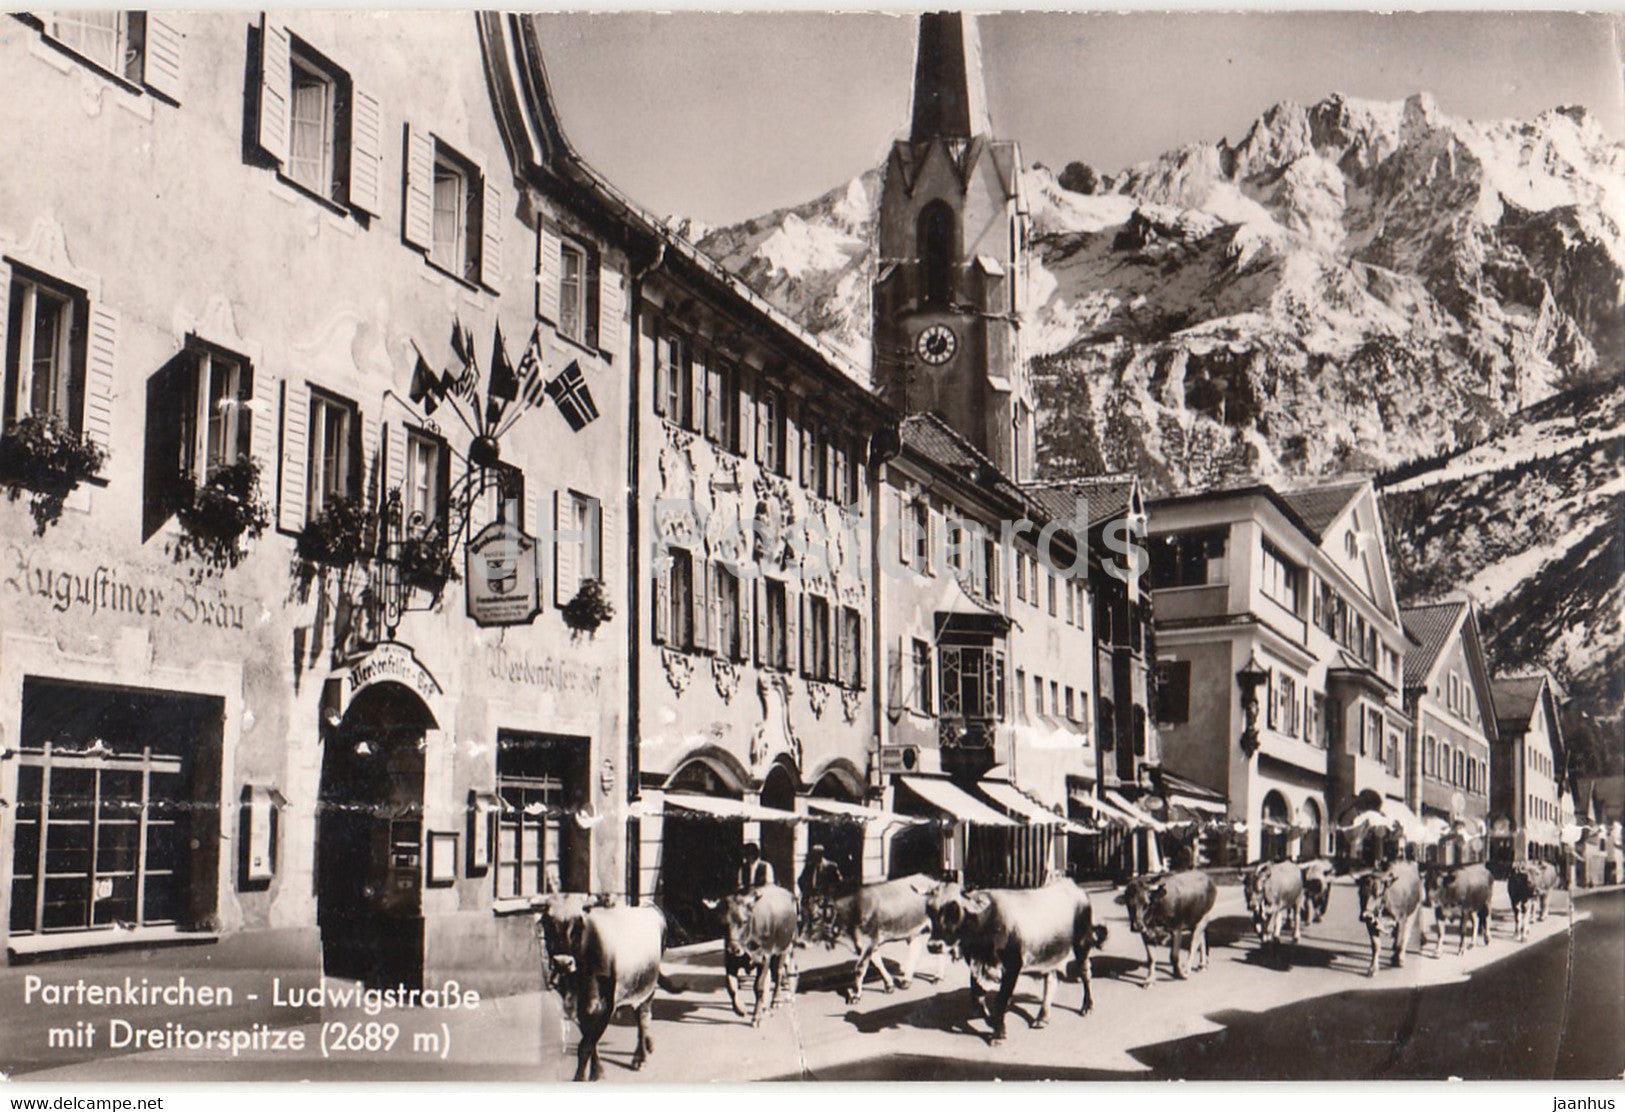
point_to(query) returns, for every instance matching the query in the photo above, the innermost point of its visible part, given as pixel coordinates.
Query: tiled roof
(937, 441)
(1515, 700)
(1319, 506)
(1106, 496)
(1430, 625)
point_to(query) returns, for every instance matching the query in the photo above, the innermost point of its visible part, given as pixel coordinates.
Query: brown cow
(877, 913)
(1317, 889)
(761, 934)
(1392, 893)
(1464, 890)
(1040, 931)
(1166, 905)
(1274, 893)
(600, 959)
(1523, 891)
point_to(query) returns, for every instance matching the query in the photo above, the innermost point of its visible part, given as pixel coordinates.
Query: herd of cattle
(601, 956)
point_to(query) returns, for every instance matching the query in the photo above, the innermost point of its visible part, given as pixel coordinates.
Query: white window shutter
(611, 311)
(660, 617)
(395, 460)
(101, 349)
(366, 152)
(371, 445)
(696, 386)
(295, 456)
(565, 550)
(835, 654)
(791, 458)
(595, 540)
(263, 406)
(548, 246)
(276, 87)
(531, 507)
(161, 66)
(491, 233)
(792, 629)
(758, 590)
(713, 611)
(699, 613)
(417, 216)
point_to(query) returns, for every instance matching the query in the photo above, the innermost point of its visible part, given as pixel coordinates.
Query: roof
(936, 441)
(1319, 506)
(1515, 698)
(1107, 496)
(1431, 626)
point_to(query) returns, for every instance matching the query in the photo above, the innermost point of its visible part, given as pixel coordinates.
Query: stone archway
(1310, 845)
(779, 838)
(1274, 827)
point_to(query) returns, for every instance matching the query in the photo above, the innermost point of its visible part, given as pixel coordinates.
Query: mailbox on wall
(257, 834)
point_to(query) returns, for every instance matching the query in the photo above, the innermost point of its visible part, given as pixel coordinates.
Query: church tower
(951, 288)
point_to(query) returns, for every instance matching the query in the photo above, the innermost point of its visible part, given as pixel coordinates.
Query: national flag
(504, 383)
(529, 371)
(569, 392)
(425, 384)
(458, 345)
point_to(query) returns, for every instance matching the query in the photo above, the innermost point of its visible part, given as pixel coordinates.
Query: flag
(503, 382)
(569, 392)
(458, 344)
(529, 371)
(425, 384)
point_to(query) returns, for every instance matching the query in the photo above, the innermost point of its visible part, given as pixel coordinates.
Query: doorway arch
(699, 857)
(841, 836)
(1275, 829)
(1309, 847)
(369, 838)
(779, 838)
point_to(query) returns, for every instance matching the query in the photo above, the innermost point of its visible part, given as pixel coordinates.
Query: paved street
(1554, 1006)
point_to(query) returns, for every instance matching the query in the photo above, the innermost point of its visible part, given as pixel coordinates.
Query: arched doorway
(840, 835)
(1309, 847)
(699, 857)
(369, 831)
(779, 838)
(1275, 829)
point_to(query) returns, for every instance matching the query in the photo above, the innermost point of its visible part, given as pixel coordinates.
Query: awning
(1140, 816)
(740, 809)
(1181, 792)
(1103, 809)
(1011, 799)
(857, 811)
(949, 799)
(1414, 829)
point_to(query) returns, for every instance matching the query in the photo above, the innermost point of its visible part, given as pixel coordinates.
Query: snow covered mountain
(1351, 285)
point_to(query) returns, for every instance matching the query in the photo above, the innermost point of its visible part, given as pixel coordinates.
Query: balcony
(969, 746)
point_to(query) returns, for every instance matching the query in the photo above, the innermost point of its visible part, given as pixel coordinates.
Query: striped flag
(532, 387)
(569, 392)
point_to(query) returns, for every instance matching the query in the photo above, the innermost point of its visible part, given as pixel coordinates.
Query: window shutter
(791, 448)
(417, 215)
(366, 152)
(792, 627)
(276, 85)
(565, 553)
(99, 354)
(295, 426)
(247, 416)
(662, 366)
(696, 389)
(806, 645)
(610, 317)
(699, 615)
(167, 399)
(809, 443)
(857, 650)
(759, 593)
(6, 384)
(161, 66)
(548, 247)
(764, 412)
(933, 542)
(661, 624)
(742, 619)
(371, 445)
(860, 473)
(395, 441)
(593, 278)
(491, 233)
(713, 612)
(837, 648)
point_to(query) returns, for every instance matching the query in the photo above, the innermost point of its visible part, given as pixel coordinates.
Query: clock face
(936, 344)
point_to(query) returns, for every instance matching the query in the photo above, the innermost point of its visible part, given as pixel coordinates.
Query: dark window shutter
(593, 277)
(170, 404)
(246, 414)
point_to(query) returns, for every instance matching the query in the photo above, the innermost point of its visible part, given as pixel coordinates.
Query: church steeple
(950, 101)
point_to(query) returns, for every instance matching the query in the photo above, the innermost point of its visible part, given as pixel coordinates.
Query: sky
(725, 116)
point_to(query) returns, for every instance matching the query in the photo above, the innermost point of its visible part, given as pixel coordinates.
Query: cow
(877, 913)
(1547, 880)
(1390, 893)
(1317, 889)
(1464, 890)
(1040, 931)
(1524, 893)
(601, 957)
(1164, 906)
(1274, 892)
(761, 934)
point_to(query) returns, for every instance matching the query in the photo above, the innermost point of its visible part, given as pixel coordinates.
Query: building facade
(1279, 650)
(1528, 771)
(303, 746)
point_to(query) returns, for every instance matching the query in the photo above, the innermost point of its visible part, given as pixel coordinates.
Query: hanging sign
(502, 575)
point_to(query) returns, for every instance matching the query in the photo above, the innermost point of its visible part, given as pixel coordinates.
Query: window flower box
(44, 455)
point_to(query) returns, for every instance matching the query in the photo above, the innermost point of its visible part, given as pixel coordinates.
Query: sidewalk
(699, 1038)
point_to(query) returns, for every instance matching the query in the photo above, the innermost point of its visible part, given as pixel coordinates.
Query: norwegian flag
(569, 392)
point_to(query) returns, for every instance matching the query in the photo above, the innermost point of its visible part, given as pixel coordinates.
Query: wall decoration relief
(679, 669)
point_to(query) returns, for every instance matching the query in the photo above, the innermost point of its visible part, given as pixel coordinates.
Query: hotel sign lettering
(502, 576)
(390, 661)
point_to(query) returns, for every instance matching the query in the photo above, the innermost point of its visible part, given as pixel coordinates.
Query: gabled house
(1448, 694)
(1528, 770)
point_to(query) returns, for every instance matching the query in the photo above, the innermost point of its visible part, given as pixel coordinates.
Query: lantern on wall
(1248, 681)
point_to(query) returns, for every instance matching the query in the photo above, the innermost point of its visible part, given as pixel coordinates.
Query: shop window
(113, 799)
(540, 781)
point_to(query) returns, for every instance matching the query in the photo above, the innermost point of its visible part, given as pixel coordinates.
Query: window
(457, 217)
(1021, 692)
(313, 127)
(1187, 559)
(1371, 744)
(923, 700)
(334, 469)
(1173, 691)
(1071, 709)
(1021, 576)
(729, 641)
(217, 424)
(1282, 579)
(572, 291)
(816, 654)
(115, 41)
(1038, 694)
(1455, 692)
(1054, 598)
(539, 846)
(920, 519)
(972, 681)
(673, 380)
(993, 569)
(936, 252)
(851, 648)
(682, 598)
(778, 630)
(322, 132)
(45, 350)
(1054, 697)
(578, 523)
(721, 402)
(1316, 732)
(1287, 705)
(1105, 724)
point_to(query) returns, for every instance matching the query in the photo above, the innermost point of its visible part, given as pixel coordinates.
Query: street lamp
(1248, 681)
